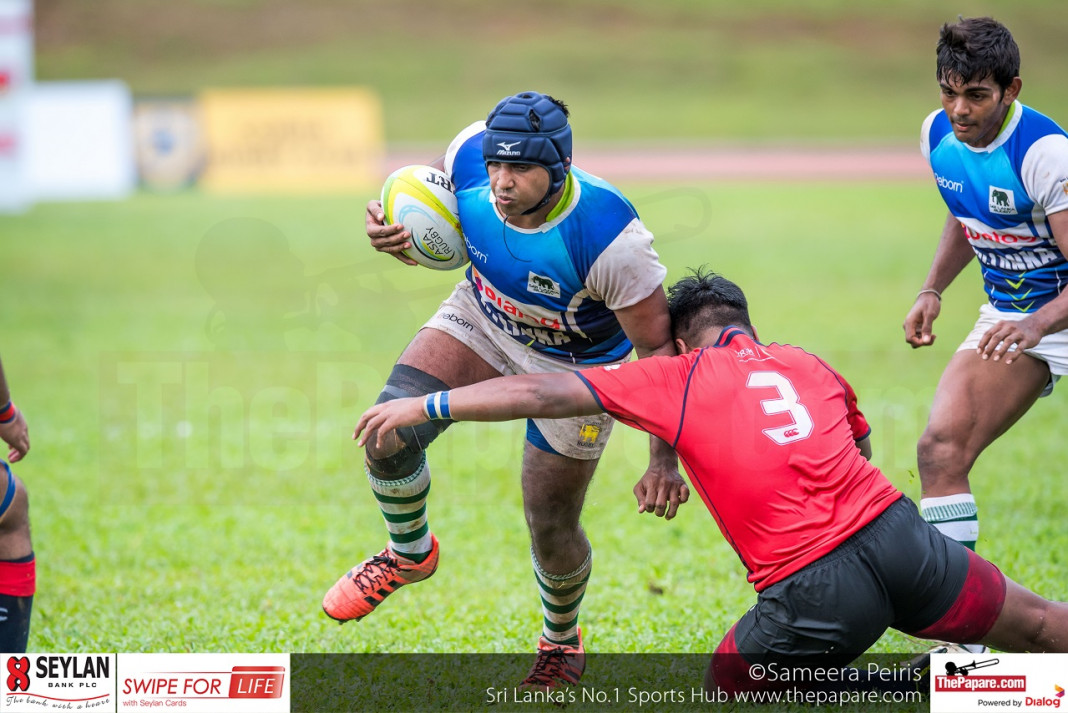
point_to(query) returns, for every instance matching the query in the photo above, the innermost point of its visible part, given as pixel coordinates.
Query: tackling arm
(952, 255)
(501, 399)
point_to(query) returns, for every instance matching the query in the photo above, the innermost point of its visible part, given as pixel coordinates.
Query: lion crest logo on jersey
(542, 285)
(1002, 201)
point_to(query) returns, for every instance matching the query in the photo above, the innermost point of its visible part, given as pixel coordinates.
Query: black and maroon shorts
(898, 571)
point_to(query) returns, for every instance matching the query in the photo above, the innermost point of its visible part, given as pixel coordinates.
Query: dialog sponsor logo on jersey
(204, 683)
(58, 682)
(529, 314)
(1002, 201)
(963, 682)
(997, 239)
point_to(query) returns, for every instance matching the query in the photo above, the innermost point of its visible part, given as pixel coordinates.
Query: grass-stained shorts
(459, 316)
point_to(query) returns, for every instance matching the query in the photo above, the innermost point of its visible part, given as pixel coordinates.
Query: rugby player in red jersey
(773, 441)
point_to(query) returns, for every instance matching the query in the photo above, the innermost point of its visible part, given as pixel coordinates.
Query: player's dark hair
(705, 299)
(563, 107)
(976, 48)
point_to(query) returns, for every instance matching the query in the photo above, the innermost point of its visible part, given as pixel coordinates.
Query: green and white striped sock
(955, 516)
(561, 595)
(403, 506)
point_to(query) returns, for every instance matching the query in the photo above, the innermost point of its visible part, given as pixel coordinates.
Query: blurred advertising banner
(292, 140)
(78, 141)
(16, 79)
(169, 142)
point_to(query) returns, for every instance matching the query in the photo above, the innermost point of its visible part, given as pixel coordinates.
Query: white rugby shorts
(459, 316)
(1052, 349)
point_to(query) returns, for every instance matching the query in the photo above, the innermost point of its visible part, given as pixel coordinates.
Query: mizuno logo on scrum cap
(506, 148)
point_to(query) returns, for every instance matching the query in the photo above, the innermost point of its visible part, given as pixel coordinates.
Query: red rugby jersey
(767, 435)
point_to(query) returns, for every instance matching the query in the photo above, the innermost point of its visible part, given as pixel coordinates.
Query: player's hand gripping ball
(421, 199)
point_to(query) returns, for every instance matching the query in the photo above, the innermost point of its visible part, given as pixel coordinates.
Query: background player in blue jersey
(1002, 169)
(563, 276)
(18, 567)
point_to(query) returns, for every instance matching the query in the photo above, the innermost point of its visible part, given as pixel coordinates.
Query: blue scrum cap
(530, 128)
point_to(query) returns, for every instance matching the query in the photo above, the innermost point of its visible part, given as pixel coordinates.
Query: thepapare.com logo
(58, 682)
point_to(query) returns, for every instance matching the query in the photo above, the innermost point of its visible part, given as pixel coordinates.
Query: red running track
(677, 163)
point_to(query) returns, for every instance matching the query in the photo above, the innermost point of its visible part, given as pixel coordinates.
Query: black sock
(14, 623)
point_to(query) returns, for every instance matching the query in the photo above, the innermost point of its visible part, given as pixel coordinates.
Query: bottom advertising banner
(611, 682)
(204, 683)
(321, 683)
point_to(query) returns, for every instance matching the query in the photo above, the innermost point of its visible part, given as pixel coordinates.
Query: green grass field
(190, 496)
(191, 390)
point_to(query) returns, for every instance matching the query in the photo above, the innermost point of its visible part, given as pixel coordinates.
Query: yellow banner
(292, 140)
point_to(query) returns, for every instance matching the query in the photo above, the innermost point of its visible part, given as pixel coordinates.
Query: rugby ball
(421, 199)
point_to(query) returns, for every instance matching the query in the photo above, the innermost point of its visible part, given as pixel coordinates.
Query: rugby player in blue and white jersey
(563, 275)
(18, 565)
(1002, 169)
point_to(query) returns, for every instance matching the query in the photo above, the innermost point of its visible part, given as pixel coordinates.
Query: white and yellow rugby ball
(421, 199)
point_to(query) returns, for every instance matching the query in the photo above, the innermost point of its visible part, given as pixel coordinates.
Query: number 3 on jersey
(801, 427)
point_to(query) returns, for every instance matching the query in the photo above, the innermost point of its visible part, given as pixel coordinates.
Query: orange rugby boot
(556, 665)
(363, 588)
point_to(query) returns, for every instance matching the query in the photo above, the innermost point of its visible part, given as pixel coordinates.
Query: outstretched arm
(952, 255)
(501, 399)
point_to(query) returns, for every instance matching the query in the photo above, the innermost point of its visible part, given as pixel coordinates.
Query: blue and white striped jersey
(1002, 194)
(554, 288)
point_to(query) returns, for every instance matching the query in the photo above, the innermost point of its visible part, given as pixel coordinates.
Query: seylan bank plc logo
(58, 682)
